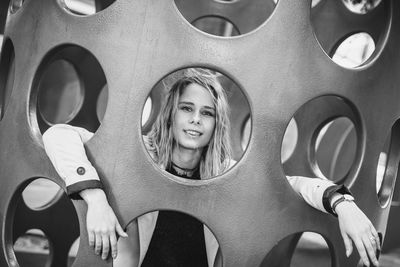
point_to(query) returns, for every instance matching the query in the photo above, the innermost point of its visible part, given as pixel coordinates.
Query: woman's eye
(208, 113)
(186, 108)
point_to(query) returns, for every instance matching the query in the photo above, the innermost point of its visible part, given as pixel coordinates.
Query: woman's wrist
(93, 195)
(342, 207)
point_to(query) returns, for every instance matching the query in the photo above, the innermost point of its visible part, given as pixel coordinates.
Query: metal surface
(280, 65)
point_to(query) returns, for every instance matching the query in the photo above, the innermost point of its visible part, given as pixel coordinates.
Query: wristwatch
(345, 197)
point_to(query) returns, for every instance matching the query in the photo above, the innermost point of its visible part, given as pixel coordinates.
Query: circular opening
(7, 75)
(101, 105)
(361, 6)
(60, 93)
(73, 251)
(216, 26)
(355, 50)
(312, 247)
(66, 89)
(313, 2)
(86, 7)
(32, 247)
(225, 18)
(335, 148)
(197, 117)
(289, 140)
(388, 166)
(16, 5)
(40, 193)
(178, 238)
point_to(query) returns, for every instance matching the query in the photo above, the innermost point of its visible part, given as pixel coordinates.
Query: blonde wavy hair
(217, 155)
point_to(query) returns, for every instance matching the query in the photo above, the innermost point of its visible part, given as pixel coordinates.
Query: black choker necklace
(184, 169)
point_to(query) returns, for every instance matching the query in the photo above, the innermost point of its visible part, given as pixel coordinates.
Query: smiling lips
(193, 133)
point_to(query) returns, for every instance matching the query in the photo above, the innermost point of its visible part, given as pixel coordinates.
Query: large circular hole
(60, 93)
(7, 75)
(225, 18)
(178, 239)
(216, 26)
(32, 249)
(40, 193)
(289, 140)
(355, 50)
(66, 89)
(200, 112)
(312, 247)
(86, 7)
(335, 148)
(388, 166)
(361, 6)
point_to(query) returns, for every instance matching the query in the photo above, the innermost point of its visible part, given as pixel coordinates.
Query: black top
(178, 239)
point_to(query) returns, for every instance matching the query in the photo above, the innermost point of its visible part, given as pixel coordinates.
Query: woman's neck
(186, 158)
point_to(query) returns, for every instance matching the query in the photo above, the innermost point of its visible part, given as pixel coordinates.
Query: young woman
(190, 139)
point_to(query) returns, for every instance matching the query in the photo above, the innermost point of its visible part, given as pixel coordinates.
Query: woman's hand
(101, 223)
(354, 225)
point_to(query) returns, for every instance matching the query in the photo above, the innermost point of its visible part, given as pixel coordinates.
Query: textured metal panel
(281, 68)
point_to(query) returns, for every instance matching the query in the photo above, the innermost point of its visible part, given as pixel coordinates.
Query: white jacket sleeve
(316, 191)
(64, 145)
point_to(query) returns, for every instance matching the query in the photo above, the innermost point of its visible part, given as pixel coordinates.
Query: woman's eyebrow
(208, 107)
(186, 103)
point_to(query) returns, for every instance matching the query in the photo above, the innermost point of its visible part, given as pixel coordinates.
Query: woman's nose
(196, 118)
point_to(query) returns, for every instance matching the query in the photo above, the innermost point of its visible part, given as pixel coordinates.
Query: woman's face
(194, 120)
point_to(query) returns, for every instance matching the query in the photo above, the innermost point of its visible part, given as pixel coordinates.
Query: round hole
(312, 247)
(225, 18)
(313, 2)
(66, 89)
(31, 247)
(355, 50)
(16, 5)
(335, 148)
(200, 112)
(178, 238)
(86, 7)
(40, 193)
(60, 93)
(361, 6)
(216, 26)
(289, 140)
(101, 105)
(388, 166)
(7, 75)
(73, 251)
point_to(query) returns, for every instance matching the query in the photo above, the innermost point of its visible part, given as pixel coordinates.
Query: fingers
(106, 245)
(91, 239)
(347, 244)
(120, 231)
(376, 236)
(361, 251)
(98, 243)
(370, 245)
(114, 246)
